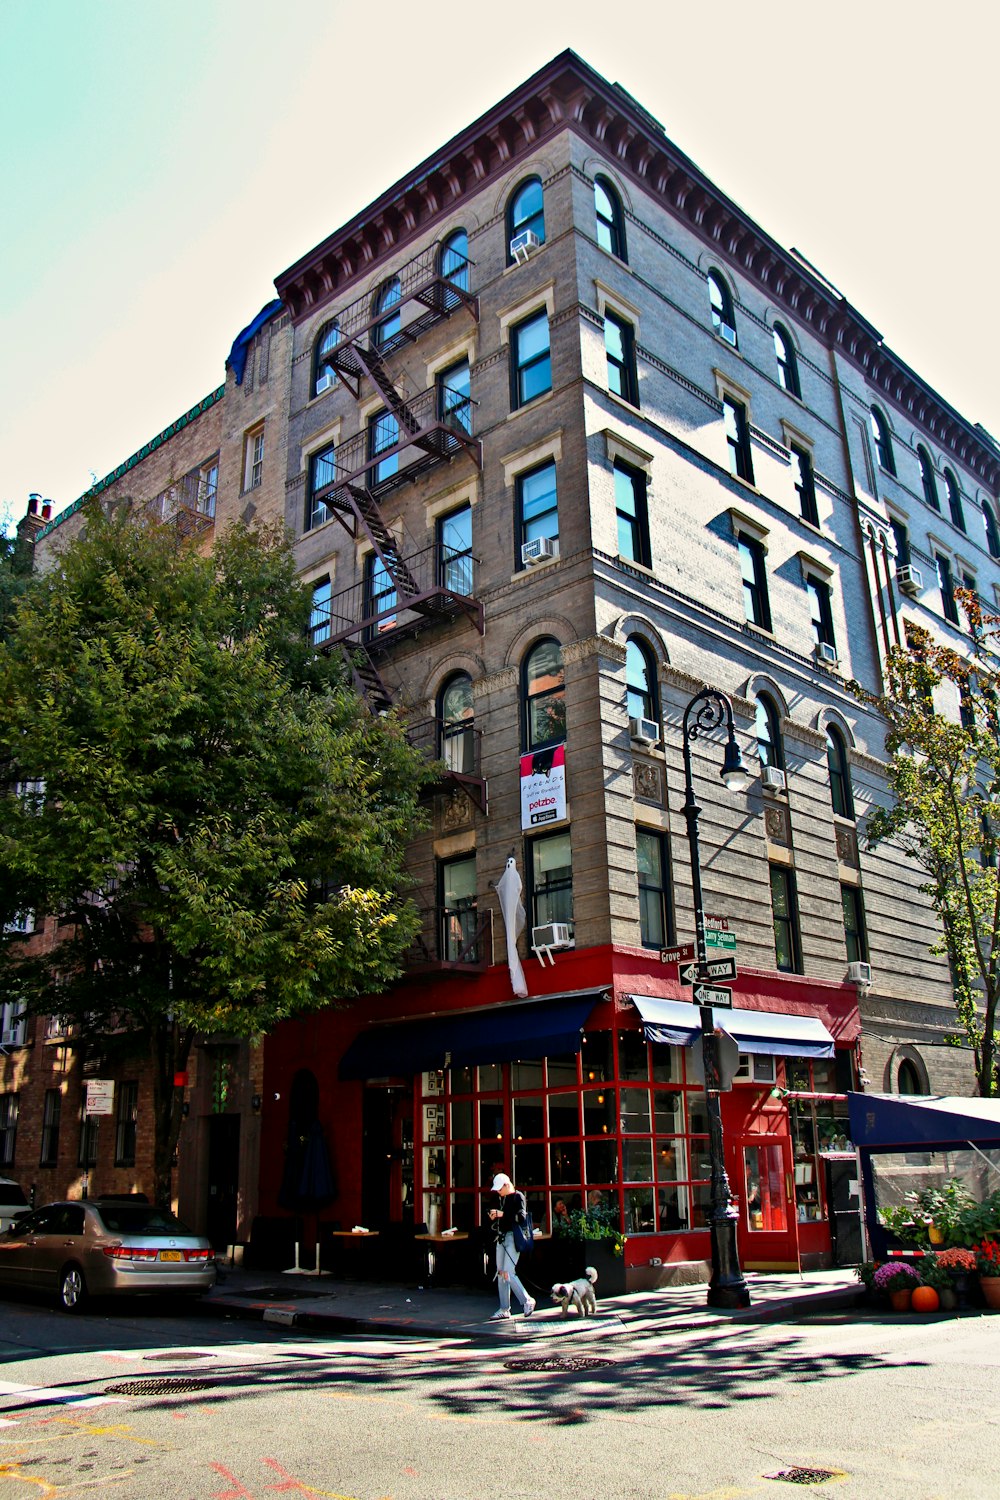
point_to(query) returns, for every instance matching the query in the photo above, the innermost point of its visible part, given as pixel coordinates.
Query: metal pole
(727, 1287)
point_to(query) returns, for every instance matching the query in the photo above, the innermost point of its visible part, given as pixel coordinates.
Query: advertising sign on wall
(543, 787)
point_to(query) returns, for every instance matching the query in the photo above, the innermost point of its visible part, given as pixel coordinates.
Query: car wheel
(72, 1289)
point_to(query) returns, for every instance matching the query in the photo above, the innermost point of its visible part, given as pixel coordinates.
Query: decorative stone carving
(456, 812)
(847, 846)
(647, 783)
(776, 825)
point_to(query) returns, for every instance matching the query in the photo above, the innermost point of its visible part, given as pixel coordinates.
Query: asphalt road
(150, 1402)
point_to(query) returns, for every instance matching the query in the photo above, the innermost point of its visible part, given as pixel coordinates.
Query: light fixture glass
(734, 773)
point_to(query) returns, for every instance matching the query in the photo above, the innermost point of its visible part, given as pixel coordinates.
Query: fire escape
(404, 590)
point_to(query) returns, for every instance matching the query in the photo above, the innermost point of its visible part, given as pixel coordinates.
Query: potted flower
(988, 1266)
(938, 1276)
(960, 1263)
(899, 1280)
(599, 1242)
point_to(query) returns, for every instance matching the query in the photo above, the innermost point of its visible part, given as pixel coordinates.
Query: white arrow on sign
(718, 968)
(707, 994)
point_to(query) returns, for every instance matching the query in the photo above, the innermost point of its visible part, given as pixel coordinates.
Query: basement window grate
(164, 1385)
(806, 1476)
(558, 1362)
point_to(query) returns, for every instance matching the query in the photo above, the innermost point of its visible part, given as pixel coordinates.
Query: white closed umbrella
(508, 889)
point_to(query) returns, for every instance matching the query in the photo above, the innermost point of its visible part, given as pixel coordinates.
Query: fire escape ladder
(383, 541)
(409, 423)
(366, 679)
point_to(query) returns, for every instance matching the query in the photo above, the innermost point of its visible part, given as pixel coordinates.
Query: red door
(763, 1185)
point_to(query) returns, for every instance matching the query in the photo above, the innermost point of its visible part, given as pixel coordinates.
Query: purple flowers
(896, 1276)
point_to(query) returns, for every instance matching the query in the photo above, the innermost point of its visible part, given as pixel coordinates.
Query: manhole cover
(163, 1386)
(558, 1362)
(178, 1354)
(805, 1476)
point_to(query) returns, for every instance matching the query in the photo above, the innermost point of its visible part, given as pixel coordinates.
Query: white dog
(580, 1293)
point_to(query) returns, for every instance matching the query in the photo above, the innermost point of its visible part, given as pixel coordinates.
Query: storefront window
(819, 1128)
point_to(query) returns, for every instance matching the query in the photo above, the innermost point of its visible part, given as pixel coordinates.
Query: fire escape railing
(458, 750)
(432, 588)
(452, 939)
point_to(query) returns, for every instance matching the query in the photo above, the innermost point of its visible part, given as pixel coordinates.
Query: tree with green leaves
(943, 715)
(215, 817)
(15, 569)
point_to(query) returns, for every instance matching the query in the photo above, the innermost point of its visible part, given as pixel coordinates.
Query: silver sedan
(104, 1247)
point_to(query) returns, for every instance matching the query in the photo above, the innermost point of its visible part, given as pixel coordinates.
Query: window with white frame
(13, 1024)
(253, 458)
(8, 1128)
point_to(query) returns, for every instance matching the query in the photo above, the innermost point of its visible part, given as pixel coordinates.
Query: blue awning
(922, 1122)
(678, 1023)
(237, 357)
(503, 1033)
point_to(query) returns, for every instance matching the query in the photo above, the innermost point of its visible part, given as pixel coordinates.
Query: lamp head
(734, 773)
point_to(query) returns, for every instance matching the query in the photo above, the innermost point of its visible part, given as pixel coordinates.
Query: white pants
(507, 1273)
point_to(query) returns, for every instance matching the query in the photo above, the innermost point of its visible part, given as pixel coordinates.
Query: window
(738, 439)
(208, 488)
(454, 396)
(127, 1114)
(927, 478)
(954, 500)
(640, 681)
(992, 532)
(454, 548)
(544, 695)
(841, 796)
(526, 210)
(610, 219)
(908, 1080)
(946, 584)
(883, 441)
(383, 433)
(784, 910)
(768, 731)
(90, 1126)
(13, 1023)
(8, 1128)
(720, 299)
(619, 344)
(51, 1114)
(902, 540)
(531, 366)
(854, 924)
(319, 614)
(379, 597)
(31, 794)
(630, 509)
(458, 908)
(755, 601)
(324, 372)
(821, 612)
(805, 484)
(551, 871)
(386, 309)
(454, 262)
(253, 459)
(456, 716)
(655, 914)
(537, 505)
(788, 369)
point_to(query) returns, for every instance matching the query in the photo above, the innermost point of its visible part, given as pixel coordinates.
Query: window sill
(530, 405)
(622, 401)
(536, 568)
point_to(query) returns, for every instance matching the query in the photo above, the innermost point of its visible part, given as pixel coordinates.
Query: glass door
(768, 1223)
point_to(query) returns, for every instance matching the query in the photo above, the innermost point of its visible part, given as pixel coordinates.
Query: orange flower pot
(900, 1301)
(991, 1291)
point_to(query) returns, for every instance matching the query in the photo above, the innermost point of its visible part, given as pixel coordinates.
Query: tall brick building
(562, 437)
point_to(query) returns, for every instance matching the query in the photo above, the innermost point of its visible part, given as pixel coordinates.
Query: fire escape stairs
(377, 373)
(366, 678)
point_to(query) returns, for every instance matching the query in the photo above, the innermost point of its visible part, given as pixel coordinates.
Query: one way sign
(707, 994)
(715, 968)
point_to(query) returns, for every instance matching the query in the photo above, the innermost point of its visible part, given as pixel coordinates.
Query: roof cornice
(567, 93)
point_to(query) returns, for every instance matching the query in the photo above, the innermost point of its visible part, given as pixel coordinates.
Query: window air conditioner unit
(910, 580)
(324, 383)
(644, 731)
(728, 334)
(552, 935)
(772, 779)
(859, 973)
(826, 654)
(540, 549)
(522, 245)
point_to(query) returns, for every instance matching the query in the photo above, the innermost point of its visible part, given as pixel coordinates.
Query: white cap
(499, 1181)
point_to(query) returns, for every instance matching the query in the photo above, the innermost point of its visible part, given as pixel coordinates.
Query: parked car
(104, 1247)
(13, 1203)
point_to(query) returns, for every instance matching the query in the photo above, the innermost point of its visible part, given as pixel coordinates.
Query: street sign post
(714, 995)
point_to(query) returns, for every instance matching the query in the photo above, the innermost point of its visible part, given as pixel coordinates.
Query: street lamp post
(707, 712)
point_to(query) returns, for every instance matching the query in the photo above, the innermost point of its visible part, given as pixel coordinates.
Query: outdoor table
(430, 1242)
(349, 1234)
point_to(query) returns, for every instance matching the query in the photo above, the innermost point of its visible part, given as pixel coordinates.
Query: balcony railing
(434, 590)
(458, 749)
(449, 939)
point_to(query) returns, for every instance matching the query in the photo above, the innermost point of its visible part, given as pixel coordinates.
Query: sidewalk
(320, 1303)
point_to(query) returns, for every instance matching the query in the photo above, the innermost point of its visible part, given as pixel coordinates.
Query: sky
(161, 161)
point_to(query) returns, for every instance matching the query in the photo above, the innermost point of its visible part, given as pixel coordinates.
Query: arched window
(543, 693)
(883, 441)
(992, 533)
(610, 219)
(908, 1080)
(840, 776)
(454, 262)
(723, 318)
(768, 731)
(324, 374)
(526, 210)
(954, 500)
(387, 300)
(640, 681)
(927, 478)
(455, 724)
(788, 368)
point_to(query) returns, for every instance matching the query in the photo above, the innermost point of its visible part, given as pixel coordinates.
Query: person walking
(512, 1206)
